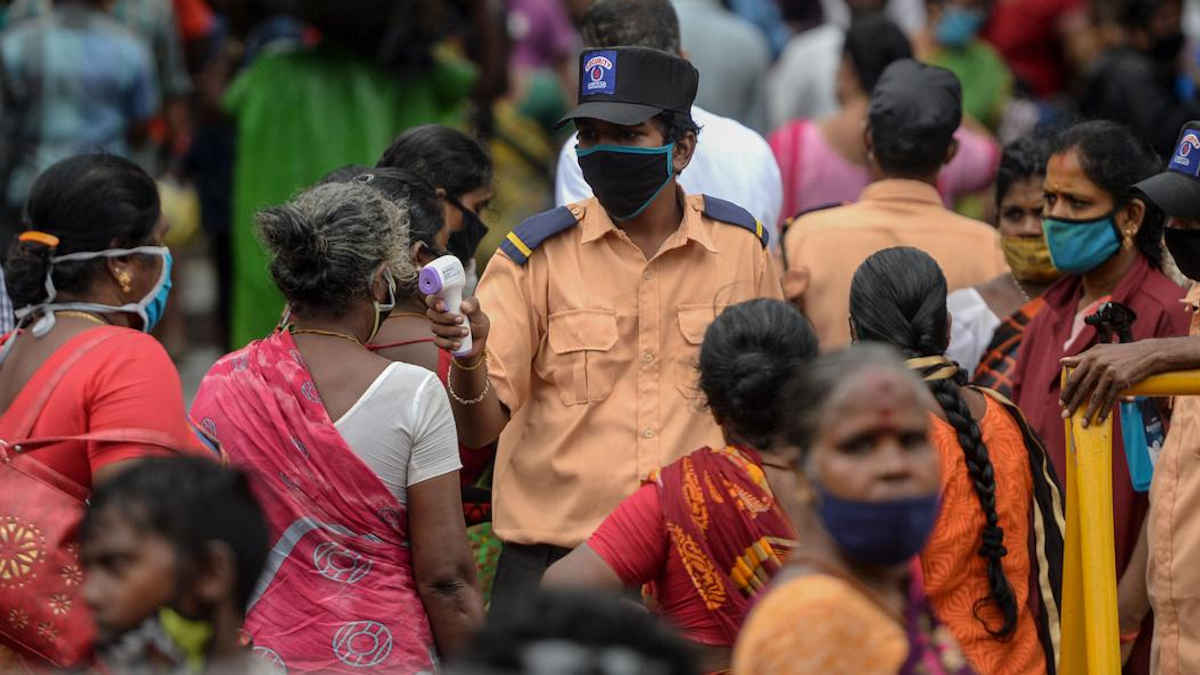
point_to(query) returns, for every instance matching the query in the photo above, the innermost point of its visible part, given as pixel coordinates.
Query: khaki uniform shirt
(1173, 531)
(823, 249)
(593, 349)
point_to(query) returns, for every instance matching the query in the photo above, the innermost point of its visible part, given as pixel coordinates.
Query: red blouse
(127, 381)
(633, 541)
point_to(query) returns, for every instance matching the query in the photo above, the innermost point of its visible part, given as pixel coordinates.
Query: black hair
(633, 23)
(1116, 160)
(447, 158)
(800, 407)
(90, 202)
(1022, 159)
(898, 297)
(872, 43)
(587, 624)
(676, 125)
(343, 174)
(190, 502)
(748, 353)
(902, 153)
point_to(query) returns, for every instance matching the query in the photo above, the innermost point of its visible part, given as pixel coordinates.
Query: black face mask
(626, 178)
(1184, 246)
(1166, 48)
(463, 243)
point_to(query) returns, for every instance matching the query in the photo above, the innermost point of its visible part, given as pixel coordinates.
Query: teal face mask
(1078, 246)
(626, 178)
(958, 26)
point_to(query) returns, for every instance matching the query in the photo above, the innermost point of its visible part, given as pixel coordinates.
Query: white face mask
(150, 308)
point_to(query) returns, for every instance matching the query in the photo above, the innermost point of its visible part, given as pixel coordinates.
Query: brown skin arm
(1104, 371)
(479, 423)
(443, 567)
(582, 567)
(1133, 598)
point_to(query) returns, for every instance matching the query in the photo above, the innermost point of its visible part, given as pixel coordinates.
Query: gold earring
(125, 281)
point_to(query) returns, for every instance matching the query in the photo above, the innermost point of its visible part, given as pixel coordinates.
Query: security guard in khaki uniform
(589, 318)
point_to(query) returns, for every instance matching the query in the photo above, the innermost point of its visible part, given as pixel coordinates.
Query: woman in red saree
(355, 457)
(706, 533)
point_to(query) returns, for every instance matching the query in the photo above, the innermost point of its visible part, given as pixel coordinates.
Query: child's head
(178, 533)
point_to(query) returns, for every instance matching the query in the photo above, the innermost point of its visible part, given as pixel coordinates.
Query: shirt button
(648, 434)
(647, 356)
(647, 275)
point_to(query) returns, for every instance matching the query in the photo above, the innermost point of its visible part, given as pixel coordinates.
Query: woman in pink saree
(354, 457)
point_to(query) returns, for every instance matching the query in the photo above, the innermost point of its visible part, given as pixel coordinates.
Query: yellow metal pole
(1178, 383)
(1074, 640)
(1093, 480)
(1091, 640)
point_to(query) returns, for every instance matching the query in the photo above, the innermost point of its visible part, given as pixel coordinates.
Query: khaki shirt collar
(901, 189)
(595, 223)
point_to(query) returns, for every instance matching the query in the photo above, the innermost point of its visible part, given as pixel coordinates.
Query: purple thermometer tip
(430, 282)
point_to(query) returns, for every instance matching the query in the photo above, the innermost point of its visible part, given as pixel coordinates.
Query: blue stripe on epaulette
(820, 207)
(728, 212)
(522, 241)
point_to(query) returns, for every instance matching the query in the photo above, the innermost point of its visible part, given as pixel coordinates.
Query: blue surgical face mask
(625, 178)
(884, 533)
(958, 26)
(1078, 246)
(150, 308)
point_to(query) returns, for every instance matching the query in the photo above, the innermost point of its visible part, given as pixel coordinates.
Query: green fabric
(986, 80)
(300, 115)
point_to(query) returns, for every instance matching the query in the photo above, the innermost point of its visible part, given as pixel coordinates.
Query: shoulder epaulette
(814, 209)
(728, 212)
(521, 242)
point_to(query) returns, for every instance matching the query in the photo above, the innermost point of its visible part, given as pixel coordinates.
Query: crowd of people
(777, 387)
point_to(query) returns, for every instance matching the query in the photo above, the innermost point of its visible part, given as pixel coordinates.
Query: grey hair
(328, 242)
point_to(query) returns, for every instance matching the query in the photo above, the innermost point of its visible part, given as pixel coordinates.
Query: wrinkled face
(1020, 210)
(1069, 194)
(874, 442)
(129, 574)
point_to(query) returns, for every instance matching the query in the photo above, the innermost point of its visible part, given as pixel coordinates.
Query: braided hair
(898, 296)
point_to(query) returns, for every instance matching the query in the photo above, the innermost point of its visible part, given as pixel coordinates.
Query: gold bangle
(479, 361)
(487, 385)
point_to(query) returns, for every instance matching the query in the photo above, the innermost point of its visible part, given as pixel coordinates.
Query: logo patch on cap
(599, 73)
(1187, 155)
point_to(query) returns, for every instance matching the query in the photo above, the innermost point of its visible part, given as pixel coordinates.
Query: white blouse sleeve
(972, 324)
(434, 437)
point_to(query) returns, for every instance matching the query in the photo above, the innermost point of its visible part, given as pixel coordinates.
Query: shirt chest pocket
(693, 321)
(581, 363)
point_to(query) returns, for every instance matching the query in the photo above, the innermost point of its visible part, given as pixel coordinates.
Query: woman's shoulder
(835, 615)
(122, 347)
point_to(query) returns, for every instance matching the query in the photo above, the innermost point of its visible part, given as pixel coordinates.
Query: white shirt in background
(972, 324)
(731, 162)
(402, 428)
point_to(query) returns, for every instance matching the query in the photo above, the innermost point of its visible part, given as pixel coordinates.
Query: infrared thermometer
(446, 279)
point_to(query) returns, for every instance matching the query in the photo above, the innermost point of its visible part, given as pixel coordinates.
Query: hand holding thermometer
(445, 278)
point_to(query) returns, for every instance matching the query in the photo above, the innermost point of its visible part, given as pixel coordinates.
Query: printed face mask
(882, 533)
(1078, 246)
(150, 308)
(626, 179)
(1029, 258)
